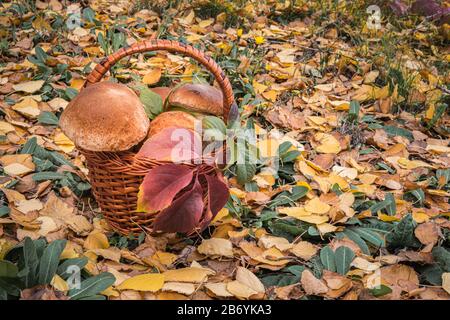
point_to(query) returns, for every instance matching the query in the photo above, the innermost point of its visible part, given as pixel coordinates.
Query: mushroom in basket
(186, 197)
(105, 116)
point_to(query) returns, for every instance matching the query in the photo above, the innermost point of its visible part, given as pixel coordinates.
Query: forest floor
(354, 104)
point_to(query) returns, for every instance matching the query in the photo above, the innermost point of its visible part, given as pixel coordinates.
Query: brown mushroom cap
(163, 92)
(198, 97)
(178, 119)
(105, 116)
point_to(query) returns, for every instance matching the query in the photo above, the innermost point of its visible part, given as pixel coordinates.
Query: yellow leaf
(387, 218)
(27, 107)
(238, 193)
(224, 212)
(16, 169)
(248, 278)
(179, 287)
(270, 95)
(59, 283)
(306, 170)
(412, 164)
(303, 184)
(441, 193)
(205, 23)
(219, 289)
(69, 251)
(240, 290)
(304, 250)
(144, 282)
(295, 212)
(420, 217)
(315, 205)
(6, 127)
(328, 143)
(259, 87)
(5, 246)
(110, 292)
(270, 241)
(364, 188)
(62, 141)
(264, 179)
(77, 83)
(314, 219)
(438, 149)
(152, 77)
(96, 240)
(29, 86)
(190, 274)
(325, 228)
(446, 281)
(165, 258)
(216, 247)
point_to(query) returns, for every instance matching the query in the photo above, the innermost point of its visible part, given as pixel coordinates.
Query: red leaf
(184, 213)
(174, 145)
(160, 186)
(218, 194)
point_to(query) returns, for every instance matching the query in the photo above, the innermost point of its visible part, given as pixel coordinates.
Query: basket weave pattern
(116, 176)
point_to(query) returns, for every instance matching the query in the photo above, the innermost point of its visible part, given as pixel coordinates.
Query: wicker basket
(116, 176)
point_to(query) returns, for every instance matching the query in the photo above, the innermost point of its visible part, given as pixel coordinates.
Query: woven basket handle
(175, 47)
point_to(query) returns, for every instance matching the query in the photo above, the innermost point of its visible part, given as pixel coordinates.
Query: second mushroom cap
(199, 98)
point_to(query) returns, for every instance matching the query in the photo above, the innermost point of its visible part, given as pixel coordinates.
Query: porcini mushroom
(198, 98)
(163, 92)
(105, 116)
(178, 119)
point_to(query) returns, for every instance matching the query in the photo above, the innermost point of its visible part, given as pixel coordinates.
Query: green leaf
(11, 286)
(31, 262)
(388, 203)
(153, 104)
(245, 172)
(418, 194)
(370, 235)
(47, 117)
(296, 270)
(92, 286)
(212, 122)
(50, 260)
(8, 269)
(4, 210)
(327, 257)
(381, 291)
(29, 146)
(70, 93)
(89, 14)
(48, 175)
(353, 112)
(287, 197)
(59, 159)
(356, 238)
(433, 275)
(343, 258)
(403, 233)
(391, 208)
(77, 262)
(442, 258)
(396, 131)
(280, 280)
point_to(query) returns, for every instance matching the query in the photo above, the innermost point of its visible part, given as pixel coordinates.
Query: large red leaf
(184, 214)
(218, 194)
(174, 145)
(161, 185)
